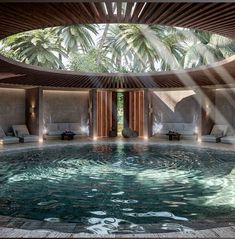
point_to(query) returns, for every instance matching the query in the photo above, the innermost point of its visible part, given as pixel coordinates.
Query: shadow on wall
(167, 108)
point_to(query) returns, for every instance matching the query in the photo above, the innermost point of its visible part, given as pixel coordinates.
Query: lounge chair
(22, 133)
(7, 139)
(228, 140)
(218, 131)
(230, 137)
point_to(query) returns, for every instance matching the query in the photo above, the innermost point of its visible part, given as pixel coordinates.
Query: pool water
(104, 187)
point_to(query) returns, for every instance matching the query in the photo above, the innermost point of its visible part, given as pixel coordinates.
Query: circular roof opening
(117, 48)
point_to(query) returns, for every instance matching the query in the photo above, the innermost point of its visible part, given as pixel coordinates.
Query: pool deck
(81, 141)
(11, 227)
(223, 232)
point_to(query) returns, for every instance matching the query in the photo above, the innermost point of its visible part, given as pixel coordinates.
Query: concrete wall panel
(65, 107)
(225, 108)
(12, 107)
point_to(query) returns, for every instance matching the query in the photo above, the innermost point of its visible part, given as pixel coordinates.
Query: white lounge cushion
(228, 140)
(20, 130)
(209, 138)
(54, 133)
(29, 138)
(75, 128)
(63, 127)
(9, 140)
(52, 127)
(186, 132)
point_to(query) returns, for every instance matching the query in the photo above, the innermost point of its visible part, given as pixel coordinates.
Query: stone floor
(16, 227)
(223, 232)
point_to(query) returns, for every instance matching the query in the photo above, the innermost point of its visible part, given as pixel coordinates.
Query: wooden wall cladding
(104, 106)
(136, 111)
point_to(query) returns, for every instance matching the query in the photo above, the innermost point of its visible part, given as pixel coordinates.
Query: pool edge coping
(152, 141)
(218, 232)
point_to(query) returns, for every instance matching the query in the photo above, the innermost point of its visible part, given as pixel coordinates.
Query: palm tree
(87, 62)
(38, 47)
(205, 48)
(131, 43)
(77, 37)
(101, 43)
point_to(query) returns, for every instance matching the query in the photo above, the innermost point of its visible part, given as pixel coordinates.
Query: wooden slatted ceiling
(215, 17)
(21, 74)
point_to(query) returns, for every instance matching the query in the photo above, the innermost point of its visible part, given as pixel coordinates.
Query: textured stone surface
(225, 232)
(12, 107)
(225, 103)
(175, 106)
(61, 227)
(65, 107)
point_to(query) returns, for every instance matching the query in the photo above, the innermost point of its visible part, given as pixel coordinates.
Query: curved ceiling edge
(220, 73)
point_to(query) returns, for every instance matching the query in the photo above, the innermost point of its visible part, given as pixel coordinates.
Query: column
(34, 111)
(92, 113)
(148, 113)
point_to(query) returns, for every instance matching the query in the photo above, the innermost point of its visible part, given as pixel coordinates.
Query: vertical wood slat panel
(114, 111)
(101, 114)
(142, 113)
(126, 109)
(136, 111)
(110, 99)
(103, 121)
(130, 110)
(98, 113)
(137, 123)
(107, 102)
(104, 113)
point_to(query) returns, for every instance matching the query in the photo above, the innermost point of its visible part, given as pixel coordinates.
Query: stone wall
(12, 107)
(225, 108)
(175, 107)
(65, 107)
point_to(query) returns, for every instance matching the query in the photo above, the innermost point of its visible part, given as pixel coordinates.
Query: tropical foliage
(87, 62)
(117, 48)
(77, 37)
(206, 48)
(39, 47)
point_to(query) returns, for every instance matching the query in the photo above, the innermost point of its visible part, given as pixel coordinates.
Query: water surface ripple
(116, 187)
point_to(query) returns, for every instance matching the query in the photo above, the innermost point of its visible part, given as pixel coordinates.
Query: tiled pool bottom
(20, 227)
